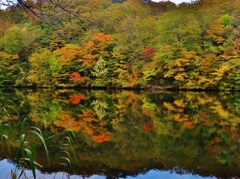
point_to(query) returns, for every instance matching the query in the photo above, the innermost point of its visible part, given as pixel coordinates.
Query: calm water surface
(121, 134)
(153, 174)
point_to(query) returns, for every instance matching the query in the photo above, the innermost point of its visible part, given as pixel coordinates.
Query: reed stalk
(39, 134)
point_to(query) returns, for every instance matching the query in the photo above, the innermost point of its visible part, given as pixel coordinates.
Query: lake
(119, 134)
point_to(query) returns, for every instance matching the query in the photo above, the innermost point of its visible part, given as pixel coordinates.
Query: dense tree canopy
(127, 44)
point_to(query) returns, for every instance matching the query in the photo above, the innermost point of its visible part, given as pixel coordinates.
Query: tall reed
(3, 136)
(26, 155)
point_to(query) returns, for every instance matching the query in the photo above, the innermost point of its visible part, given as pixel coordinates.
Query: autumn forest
(121, 44)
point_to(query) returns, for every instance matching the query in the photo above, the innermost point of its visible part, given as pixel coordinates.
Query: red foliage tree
(149, 52)
(75, 76)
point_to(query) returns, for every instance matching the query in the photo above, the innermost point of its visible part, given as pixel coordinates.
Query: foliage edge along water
(120, 132)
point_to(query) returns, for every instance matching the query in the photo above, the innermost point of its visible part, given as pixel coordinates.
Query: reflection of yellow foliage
(169, 106)
(190, 96)
(147, 112)
(5, 118)
(180, 103)
(204, 100)
(234, 121)
(100, 108)
(188, 125)
(127, 100)
(180, 110)
(234, 132)
(117, 121)
(176, 117)
(33, 98)
(218, 108)
(203, 115)
(34, 117)
(132, 98)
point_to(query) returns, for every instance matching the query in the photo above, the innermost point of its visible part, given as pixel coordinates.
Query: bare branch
(47, 12)
(67, 10)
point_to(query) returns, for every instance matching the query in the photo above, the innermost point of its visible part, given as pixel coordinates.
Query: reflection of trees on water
(134, 132)
(112, 177)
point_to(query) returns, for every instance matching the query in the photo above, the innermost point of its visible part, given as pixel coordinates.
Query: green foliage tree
(12, 43)
(43, 68)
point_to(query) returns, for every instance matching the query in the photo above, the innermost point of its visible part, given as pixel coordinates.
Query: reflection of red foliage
(148, 126)
(102, 137)
(76, 76)
(15, 117)
(76, 99)
(149, 52)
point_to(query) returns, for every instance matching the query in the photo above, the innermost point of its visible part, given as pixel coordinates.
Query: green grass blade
(68, 154)
(74, 136)
(4, 109)
(23, 124)
(67, 159)
(1, 131)
(64, 164)
(13, 175)
(22, 140)
(38, 133)
(33, 150)
(50, 137)
(31, 160)
(6, 138)
(2, 96)
(39, 130)
(37, 164)
(71, 146)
